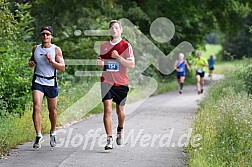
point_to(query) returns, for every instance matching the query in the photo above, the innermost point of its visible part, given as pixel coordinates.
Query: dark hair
(113, 22)
(48, 28)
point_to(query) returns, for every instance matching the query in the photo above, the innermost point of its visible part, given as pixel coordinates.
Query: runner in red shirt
(115, 57)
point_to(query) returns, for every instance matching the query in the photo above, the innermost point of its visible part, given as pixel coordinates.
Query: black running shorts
(117, 93)
(201, 74)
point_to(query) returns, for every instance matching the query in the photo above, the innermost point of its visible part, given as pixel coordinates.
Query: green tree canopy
(7, 21)
(193, 19)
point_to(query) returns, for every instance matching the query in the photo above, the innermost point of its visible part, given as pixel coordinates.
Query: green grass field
(221, 67)
(227, 66)
(212, 50)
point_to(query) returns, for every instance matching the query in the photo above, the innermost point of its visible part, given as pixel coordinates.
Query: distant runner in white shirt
(180, 67)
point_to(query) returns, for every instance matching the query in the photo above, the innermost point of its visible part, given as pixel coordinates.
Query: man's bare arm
(59, 62)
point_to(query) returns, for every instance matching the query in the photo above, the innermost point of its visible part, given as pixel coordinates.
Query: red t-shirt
(114, 72)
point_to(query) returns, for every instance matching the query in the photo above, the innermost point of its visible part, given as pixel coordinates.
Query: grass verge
(16, 130)
(224, 121)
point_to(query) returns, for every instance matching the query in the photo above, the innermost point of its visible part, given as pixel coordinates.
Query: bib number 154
(112, 66)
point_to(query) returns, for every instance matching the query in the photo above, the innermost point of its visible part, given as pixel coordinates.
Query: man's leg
(36, 116)
(37, 103)
(121, 118)
(52, 103)
(179, 83)
(107, 120)
(182, 78)
(210, 72)
(202, 84)
(198, 83)
(107, 117)
(120, 114)
(178, 78)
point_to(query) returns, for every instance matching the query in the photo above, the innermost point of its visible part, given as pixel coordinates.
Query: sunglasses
(47, 34)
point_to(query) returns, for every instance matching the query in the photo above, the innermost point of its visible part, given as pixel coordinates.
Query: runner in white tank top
(43, 67)
(46, 58)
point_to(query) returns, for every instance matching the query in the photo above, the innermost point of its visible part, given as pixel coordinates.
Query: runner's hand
(49, 57)
(115, 54)
(100, 62)
(31, 63)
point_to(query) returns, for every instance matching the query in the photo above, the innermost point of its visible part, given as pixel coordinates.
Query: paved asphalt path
(154, 136)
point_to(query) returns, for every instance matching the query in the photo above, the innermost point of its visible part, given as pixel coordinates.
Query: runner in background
(199, 65)
(180, 67)
(211, 62)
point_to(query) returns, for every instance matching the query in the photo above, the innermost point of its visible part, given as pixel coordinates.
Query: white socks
(39, 135)
(53, 133)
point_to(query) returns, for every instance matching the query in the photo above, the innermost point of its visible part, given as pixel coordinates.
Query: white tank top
(43, 67)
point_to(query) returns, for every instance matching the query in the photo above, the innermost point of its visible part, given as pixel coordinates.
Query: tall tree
(239, 45)
(7, 21)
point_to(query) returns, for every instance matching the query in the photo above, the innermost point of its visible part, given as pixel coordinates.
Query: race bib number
(199, 70)
(112, 65)
(181, 69)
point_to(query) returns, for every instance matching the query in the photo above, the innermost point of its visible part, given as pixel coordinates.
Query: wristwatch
(118, 58)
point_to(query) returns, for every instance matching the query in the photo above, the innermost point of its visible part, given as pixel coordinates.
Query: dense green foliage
(20, 24)
(192, 19)
(224, 123)
(246, 75)
(239, 44)
(7, 26)
(14, 75)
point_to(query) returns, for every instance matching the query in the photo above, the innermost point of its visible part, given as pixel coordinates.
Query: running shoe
(109, 144)
(38, 142)
(119, 138)
(180, 92)
(53, 140)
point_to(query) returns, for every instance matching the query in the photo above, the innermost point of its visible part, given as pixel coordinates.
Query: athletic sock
(181, 86)
(119, 129)
(53, 133)
(39, 135)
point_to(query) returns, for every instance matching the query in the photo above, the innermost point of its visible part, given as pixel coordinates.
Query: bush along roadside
(224, 121)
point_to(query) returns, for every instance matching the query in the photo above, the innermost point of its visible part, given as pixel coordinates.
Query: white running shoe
(109, 144)
(119, 138)
(53, 140)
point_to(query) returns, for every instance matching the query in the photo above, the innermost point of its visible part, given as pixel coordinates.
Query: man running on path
(46, 58)
(115, 57)
(200, 64)
(211, 62)
(180, 67)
